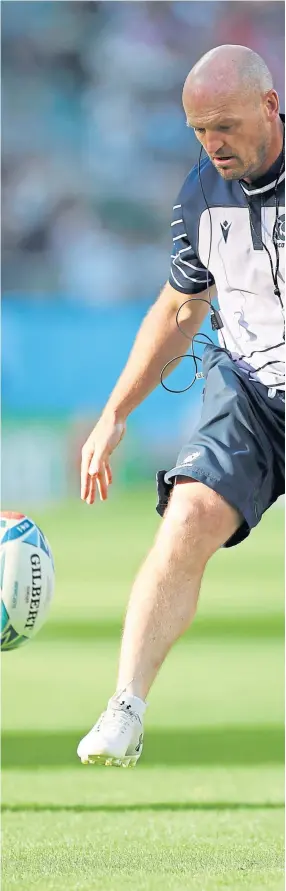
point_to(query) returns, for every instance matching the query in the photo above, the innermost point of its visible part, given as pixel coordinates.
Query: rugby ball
(26, 579)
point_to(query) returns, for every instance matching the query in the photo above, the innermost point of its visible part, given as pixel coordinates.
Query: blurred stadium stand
(94, 138)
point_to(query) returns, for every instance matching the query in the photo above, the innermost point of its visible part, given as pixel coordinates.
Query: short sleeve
(187, 274)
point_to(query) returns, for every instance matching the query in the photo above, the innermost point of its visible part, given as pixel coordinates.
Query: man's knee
(201, 515)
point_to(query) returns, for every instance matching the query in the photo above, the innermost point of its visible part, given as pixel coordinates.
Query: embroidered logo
(225, 227)
(190, 458)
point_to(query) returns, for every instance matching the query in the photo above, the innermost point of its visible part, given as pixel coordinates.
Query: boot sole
(107, 761)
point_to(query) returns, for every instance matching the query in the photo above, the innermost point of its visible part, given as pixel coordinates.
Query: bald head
(230, 102)
(230, 69)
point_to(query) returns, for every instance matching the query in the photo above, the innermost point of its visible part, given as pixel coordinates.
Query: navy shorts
(237, 449)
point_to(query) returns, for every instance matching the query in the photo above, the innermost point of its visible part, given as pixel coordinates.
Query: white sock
(129, 702)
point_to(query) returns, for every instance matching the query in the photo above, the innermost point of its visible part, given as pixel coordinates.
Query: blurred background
(94, 151)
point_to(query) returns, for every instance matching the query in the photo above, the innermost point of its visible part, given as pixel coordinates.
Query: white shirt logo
(190, 458)
(225, 227)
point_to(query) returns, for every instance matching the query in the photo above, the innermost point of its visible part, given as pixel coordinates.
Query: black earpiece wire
(216, 321)
(215, 317)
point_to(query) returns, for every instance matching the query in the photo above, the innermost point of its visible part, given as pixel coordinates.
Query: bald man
(228, 234)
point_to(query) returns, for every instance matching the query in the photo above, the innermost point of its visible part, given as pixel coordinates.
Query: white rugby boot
(116, 740)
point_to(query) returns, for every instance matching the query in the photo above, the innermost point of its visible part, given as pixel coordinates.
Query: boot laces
(115, 719)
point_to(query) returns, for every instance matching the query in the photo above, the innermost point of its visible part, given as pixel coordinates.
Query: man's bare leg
(165, 593)
(162, 605)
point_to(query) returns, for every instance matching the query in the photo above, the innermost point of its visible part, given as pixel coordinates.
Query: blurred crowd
(94, 141)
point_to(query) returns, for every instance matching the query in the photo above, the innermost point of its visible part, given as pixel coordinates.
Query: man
(228, 234)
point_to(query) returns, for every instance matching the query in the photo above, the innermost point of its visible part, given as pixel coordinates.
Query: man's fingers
(96, 465)
(103, 475)
(91, 492)
(102, 484)
(108, 473)
(85, 463)
(94, 473)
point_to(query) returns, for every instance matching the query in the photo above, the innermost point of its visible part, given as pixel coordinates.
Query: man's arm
(157, 341)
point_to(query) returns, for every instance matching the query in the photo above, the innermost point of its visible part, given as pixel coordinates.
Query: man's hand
(95, 467)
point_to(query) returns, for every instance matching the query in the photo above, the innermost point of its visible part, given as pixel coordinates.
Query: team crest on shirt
(279, 231)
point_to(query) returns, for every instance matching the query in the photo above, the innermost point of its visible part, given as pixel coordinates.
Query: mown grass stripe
(158, 806)
(259, 627)
(241, 744)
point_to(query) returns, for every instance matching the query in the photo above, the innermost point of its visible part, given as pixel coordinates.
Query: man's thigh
(232, 449)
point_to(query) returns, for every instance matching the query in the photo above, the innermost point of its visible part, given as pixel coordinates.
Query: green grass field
(204, 808)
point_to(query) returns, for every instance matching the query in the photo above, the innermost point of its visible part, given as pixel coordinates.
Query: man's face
(234, 134)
